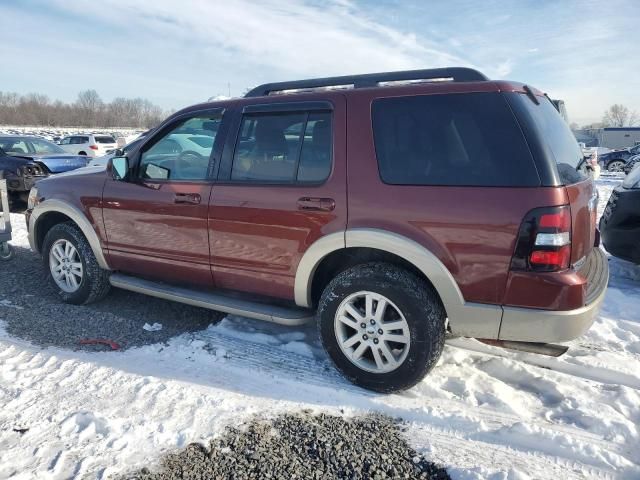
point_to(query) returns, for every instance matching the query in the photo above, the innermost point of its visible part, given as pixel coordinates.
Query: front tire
(72, 267)
(383, 327)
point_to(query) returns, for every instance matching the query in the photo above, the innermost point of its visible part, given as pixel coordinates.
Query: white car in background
(104, 159)
(91, 145)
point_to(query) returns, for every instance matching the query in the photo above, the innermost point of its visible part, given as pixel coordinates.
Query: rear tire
(82, 153)
(352, 327)
(72, 267)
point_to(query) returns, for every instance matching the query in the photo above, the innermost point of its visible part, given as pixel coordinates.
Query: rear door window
(283, 148)
(469, 139)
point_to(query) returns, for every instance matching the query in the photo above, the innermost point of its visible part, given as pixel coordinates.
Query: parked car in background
(620, 222)
(47, 153)
(631, 163)
(240, 206)
(104, 159)
(21, 174)
(88, 145)
(615, 160)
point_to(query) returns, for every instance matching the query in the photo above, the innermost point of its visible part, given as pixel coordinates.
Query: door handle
(190, 198)
(316, 204)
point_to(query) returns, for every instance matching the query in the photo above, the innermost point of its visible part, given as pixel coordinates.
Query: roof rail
(456, 74)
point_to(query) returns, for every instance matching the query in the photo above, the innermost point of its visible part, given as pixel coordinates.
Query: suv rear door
(281, 186)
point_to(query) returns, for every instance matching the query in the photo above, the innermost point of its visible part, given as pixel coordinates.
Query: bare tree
(88, 111)
(619, 116)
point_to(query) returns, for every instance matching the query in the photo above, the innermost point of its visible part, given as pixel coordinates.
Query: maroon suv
(392, 208)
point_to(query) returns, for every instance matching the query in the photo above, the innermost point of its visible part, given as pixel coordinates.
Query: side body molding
(74, 214)
(465, 318)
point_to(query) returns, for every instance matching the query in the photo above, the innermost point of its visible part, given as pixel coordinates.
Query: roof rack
(456, 74)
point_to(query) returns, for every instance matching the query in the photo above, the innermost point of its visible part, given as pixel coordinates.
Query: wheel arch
(52, 212)
(465, 318)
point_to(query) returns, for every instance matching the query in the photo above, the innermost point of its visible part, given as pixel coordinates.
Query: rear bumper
(548, 326)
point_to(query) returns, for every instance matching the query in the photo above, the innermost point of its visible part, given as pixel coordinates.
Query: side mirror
(118, 152)
(119, 168)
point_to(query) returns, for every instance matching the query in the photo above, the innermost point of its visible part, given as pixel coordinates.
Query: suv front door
(281, 186)
(156, 223)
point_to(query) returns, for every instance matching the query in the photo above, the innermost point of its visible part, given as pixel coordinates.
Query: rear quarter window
(469, 139)
(556, 138)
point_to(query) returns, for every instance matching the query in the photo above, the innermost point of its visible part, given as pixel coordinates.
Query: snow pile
(483, 412)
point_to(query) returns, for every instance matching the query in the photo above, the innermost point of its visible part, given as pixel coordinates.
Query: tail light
(544, 241)
(93, 147)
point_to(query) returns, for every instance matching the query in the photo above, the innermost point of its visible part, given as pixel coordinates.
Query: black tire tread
(420, 291)
(98, 278)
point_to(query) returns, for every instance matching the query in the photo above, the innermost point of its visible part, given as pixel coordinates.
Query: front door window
(183, 153)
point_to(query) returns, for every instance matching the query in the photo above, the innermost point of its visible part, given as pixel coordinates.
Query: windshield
(44, 146)
(28, 146)
(133, 144)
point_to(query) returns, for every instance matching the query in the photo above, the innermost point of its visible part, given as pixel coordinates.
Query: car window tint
(202, 140)
(283, 148)
(177, 156)
(268, 154)
(104, 139)
(468, 139)
(315, 159)
(559, 138)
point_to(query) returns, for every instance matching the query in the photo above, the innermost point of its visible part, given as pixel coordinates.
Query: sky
(181, 52)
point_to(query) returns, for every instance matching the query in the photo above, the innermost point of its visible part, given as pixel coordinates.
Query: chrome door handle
(317, 204)
(190, 198)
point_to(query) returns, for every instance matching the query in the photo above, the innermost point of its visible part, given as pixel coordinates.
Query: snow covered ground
(483, 412)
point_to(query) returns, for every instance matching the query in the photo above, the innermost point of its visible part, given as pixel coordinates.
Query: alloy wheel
(372, 332)
(65, 265)
(616, 166)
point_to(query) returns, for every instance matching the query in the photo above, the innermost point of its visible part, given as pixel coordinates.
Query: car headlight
(33, 198)
(633, 178)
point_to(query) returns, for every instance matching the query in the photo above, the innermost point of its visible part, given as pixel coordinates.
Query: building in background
(609, 137)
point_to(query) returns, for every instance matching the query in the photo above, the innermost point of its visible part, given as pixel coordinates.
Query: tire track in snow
(457, 429)
(593, 373)
(309, 372)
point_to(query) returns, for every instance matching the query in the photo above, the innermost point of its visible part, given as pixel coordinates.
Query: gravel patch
(301, 446)
(31, 310)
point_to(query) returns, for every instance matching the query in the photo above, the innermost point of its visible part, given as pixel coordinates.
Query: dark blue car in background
(616, 160)
(26, 159)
